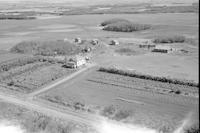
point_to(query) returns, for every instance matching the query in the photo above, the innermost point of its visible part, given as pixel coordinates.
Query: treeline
(46, 48)
(121, 25)
(16, 17)
(5, 66)
(170, 39)
(148, 77)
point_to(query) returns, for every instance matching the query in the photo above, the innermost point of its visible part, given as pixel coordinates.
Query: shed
(87, 49)
(94, 42)
(77, 40)
(114, 42)
(162, 49)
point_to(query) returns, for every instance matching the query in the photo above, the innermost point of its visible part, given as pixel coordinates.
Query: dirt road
(31, 95)
(88, 119)
(28, 102)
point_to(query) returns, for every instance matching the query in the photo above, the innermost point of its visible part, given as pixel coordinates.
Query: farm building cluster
(79, 60)
(156, 48)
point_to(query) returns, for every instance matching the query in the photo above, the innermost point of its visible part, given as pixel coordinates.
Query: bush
(108, 111)
(193, 129)
(122, 114)
(170, 39)
(148, 77)
(126, 27)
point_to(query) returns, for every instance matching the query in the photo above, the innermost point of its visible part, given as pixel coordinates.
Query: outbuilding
(114, 42)
(94, 42)
(77, 40)
(162, 49)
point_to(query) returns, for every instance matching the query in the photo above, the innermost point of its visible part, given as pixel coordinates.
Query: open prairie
(87, 26)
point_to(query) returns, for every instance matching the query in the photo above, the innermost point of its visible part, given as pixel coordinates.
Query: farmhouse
(114, 42)
(162, 49)
(76, 61)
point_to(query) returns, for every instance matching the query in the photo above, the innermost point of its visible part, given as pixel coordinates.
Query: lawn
(26, 120)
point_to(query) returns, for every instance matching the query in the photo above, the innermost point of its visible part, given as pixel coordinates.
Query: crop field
(151, 103)
(30, 74)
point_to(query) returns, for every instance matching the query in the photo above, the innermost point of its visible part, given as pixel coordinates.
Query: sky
(100, 1)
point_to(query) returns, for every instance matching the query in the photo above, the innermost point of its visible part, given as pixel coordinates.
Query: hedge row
(5, 66)
(170, 39)
(16, 17)
(148, 77)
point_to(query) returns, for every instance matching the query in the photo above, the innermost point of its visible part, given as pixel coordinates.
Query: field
(152, 104)
(87, 27)
(146, 100)
(73, 26)
(27, 74)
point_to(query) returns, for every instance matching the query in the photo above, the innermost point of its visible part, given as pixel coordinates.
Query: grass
(35, 122)
(46, 48)
(77, 106)
(127, 51)
(148, 77)
(115, 114)
(170, 39)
